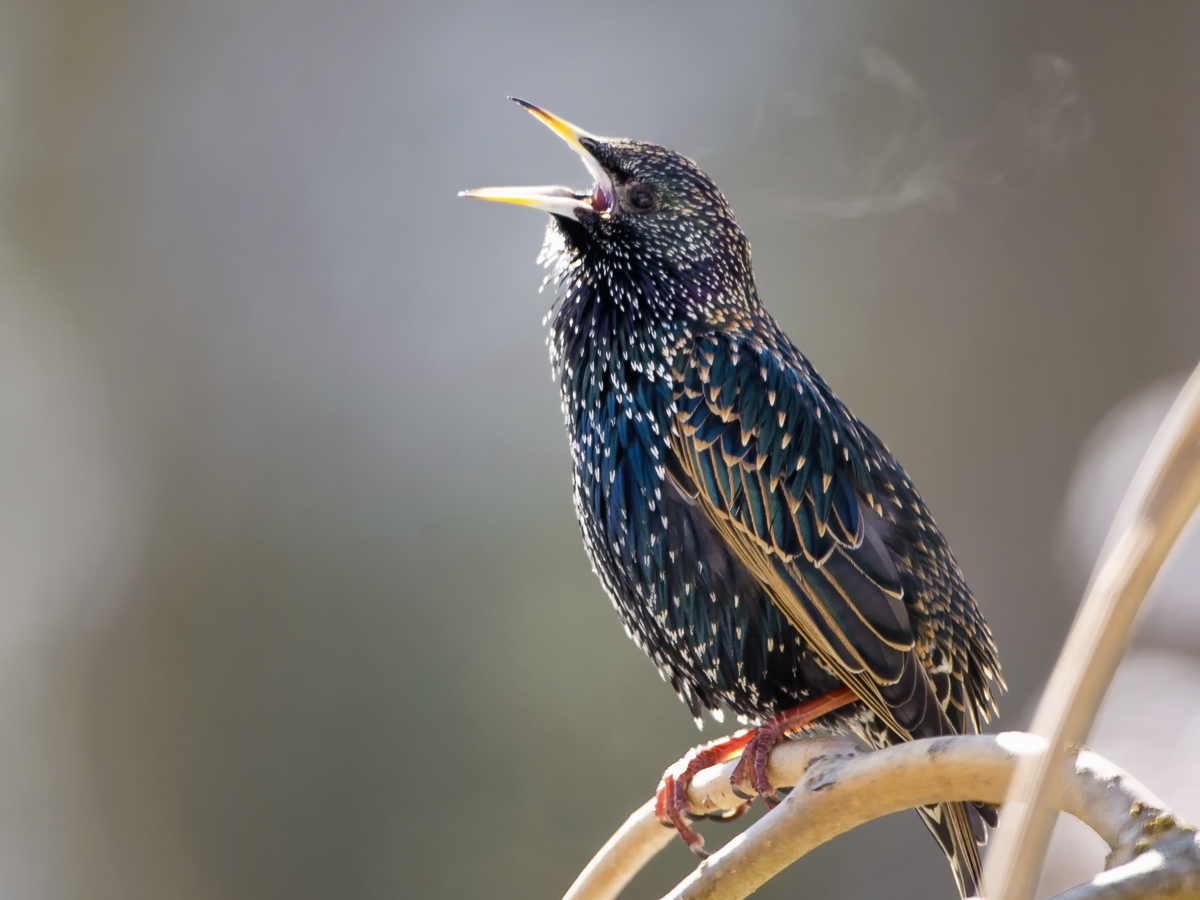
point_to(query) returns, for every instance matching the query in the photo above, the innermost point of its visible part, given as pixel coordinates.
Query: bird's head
(648, 205)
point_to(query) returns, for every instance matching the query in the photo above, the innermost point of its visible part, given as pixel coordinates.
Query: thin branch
(641, 837)
(840, 788)
(1159, 503)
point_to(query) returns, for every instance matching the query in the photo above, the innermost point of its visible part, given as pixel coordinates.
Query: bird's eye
(640, 197)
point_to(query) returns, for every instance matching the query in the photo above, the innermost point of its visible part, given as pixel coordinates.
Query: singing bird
(759, 542)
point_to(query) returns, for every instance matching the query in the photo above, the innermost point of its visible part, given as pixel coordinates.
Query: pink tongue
(601, 202)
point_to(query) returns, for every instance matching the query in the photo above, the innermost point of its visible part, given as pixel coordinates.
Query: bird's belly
(700, 615)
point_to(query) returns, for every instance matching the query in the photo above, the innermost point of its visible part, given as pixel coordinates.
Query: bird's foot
(671, 803)
(750, 775)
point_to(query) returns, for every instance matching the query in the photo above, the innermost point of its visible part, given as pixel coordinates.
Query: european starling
(758, 541)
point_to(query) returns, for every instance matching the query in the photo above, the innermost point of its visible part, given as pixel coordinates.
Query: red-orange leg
(750, 775)
(671, 803)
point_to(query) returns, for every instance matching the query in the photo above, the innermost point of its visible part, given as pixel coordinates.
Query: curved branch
(641, 836)
(839, 788)
(1159, 503)
(1171, 871)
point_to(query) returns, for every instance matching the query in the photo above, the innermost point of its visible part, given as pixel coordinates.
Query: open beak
(559, 200)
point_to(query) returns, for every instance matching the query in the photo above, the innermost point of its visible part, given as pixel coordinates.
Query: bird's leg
(671, 804)
(750, 775)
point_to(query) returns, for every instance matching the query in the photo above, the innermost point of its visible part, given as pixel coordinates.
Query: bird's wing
(787, 481)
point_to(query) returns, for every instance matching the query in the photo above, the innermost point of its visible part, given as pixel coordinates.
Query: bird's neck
(607, 340)
(613, 304)
(621, 318)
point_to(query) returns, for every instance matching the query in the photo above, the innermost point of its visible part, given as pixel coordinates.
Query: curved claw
(730, 814)
(671, 812)
(751, 771)
(750, 775)
(671, 804)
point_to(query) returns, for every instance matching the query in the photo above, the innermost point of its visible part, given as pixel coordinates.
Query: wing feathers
(759, 449)
(792, 502)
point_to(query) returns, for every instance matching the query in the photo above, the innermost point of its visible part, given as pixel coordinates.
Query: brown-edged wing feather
(792, 494)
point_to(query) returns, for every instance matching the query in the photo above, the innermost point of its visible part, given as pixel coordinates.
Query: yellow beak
(553, 198)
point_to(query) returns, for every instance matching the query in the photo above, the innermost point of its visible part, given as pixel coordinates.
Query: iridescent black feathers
(758, 541)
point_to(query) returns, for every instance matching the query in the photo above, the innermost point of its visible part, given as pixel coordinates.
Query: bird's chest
(617, 415)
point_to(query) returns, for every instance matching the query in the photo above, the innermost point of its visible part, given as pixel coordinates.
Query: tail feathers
(990, 813)
(978, 815)
(959, 828)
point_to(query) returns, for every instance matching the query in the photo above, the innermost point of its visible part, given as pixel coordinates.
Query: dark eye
(640, 197)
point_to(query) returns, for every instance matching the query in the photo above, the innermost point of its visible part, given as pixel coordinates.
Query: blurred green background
(295, 604)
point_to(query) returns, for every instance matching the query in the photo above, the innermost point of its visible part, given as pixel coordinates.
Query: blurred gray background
(294, 603)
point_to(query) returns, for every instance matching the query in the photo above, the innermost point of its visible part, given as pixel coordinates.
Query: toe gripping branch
(671, 803)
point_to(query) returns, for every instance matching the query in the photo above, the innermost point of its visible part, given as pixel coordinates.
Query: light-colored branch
(1171, 871)
(641, 837)
(1159, 503)
(839, 788)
